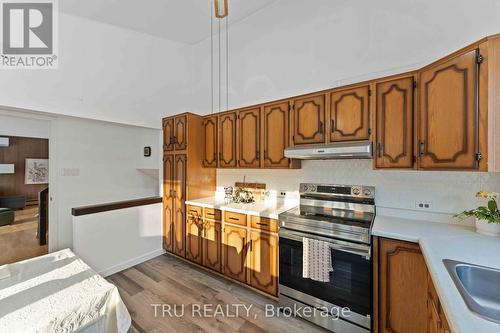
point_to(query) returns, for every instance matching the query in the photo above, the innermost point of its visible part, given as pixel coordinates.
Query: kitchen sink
(479, 287)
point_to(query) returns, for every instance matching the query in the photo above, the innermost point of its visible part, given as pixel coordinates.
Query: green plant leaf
(492, 205)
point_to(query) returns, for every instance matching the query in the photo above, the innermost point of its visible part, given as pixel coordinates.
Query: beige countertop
(270, 208)
(440, 241)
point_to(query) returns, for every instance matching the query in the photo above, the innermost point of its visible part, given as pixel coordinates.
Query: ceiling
(185, 21)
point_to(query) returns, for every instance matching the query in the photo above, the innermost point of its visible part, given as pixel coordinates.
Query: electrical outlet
(281, 194)
(423, 205)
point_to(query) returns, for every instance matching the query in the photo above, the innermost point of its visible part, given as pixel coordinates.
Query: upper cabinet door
(448, 115)
(249, 138)
(168, 134)
(309, 120)
(210, 132)
(394, 124)
(276, 134)
(180, 125)
(227, 140)
(350, 114)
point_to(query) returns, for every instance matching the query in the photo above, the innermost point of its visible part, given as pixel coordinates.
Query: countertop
(270, 208)
(440, 241)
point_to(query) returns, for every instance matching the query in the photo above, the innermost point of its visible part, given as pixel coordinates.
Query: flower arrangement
(488, 213)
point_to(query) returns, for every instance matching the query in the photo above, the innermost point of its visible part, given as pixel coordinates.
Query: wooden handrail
(86, 210)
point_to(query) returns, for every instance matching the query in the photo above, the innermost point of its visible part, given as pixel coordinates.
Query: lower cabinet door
(212, 245)
(235, 252)
(403, 288)
(263, 262)
(193, 239)
(434, 324)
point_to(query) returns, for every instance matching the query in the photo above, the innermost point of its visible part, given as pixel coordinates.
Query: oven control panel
(358, 191)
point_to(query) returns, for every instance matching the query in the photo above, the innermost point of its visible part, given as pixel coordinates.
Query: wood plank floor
(171, 281)
(19, 240)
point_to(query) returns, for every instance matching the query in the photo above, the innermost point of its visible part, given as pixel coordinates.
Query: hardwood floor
(175, 283)
(18, 241)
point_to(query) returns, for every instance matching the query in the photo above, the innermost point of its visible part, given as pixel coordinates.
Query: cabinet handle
(379, 149)
(251, 245)
(234, 219)
(421, 148)
(333, 126)
(321, 127)
(257, 155)
(262, 224)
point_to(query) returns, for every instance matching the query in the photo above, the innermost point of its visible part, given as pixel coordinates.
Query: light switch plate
(70, 172)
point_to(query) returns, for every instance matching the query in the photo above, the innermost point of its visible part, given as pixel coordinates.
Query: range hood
(343, 150)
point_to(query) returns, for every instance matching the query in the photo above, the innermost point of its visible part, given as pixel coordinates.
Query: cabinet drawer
(264, 223)
(194, 211)
(213, 214)
(235, 218)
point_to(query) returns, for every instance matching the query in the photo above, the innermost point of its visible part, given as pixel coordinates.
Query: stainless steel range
(342, 216)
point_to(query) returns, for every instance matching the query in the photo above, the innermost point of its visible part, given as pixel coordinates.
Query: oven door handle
(358, 249)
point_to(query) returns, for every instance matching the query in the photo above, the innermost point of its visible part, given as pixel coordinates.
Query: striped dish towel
(316, 260)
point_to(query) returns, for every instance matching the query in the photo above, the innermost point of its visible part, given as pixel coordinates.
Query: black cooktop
(330, 215)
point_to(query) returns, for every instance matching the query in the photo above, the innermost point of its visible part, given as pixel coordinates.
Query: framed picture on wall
(37, 171)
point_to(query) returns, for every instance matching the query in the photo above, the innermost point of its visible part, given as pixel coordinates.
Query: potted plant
(487, 217)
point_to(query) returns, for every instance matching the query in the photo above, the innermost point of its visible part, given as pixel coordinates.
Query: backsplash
(396, 190)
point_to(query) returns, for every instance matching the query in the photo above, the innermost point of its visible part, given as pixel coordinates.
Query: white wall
(449, 192)
(106, 157)
(296, 46)
(112, 241)
(25, 127)
(106, 73)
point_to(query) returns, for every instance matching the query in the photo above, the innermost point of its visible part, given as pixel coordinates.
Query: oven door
(350, 282)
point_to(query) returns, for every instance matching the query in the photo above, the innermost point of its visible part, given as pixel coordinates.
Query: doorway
(24, 188)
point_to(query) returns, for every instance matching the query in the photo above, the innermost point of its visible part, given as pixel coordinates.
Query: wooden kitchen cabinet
(437, 322)
(175, 133)
(168, 202)
(404, 297)
(402, 292)
(184, 178)
(276, 134)
(180, 131)
(227, 140)
(194, 231)
(212, 244)
(249, 138)
(168, 134)
(393, 146)
(309, 119)
(448, 114)
(210, 142)
(235, 252)
(263, 262)
(179, 194)
(350, 114)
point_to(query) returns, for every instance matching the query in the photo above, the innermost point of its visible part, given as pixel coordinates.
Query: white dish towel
(316, 260)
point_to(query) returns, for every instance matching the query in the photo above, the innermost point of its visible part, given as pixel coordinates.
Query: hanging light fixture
(219, 55)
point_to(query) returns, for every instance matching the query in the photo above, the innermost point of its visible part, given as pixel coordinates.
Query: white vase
(485, 228)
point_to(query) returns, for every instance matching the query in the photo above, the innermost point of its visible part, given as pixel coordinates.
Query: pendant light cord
(212, 57)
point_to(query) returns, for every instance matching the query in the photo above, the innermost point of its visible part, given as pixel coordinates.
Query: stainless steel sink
(479, 287)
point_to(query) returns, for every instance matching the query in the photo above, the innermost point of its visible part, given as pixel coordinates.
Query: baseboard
(132, 262)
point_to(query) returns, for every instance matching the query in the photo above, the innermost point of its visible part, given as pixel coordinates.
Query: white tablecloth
(58, 292)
